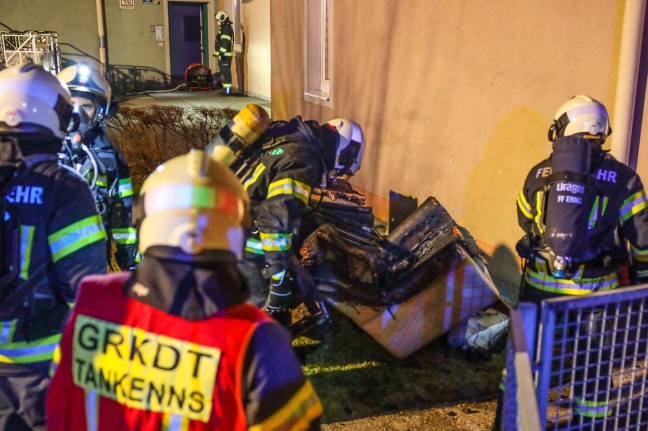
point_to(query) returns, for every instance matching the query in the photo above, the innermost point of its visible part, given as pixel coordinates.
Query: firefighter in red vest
(174, 344)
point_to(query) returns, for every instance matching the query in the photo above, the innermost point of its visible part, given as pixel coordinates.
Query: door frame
(208, 33)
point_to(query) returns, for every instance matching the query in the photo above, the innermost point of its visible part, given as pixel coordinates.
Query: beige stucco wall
(455, 97)
(256, 57)
(38, 15)
(131, 41)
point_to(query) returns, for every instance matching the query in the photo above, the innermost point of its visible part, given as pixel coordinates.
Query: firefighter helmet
(192, 203)
(33, 102)
(221, 16)
(350, 146)
(581, 114)
(90, 92)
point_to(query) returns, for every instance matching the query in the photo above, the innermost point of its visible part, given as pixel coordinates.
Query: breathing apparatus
(233, 144)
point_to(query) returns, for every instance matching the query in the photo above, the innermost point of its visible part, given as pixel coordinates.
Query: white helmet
(33, 101)
(221, 16)
(581, 114)
(83, 81)
(193, 203)
(350, 148)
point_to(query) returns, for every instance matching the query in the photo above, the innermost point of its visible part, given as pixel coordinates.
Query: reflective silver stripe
(26, 243)
(23, 352)
(125, 188)
(125, 236)
(633, 205)
(7, 332)
(91, 407)
(175, 423)
(276, 241)
(76, 236)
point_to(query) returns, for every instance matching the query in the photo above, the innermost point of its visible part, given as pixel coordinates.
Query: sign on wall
(127, 4)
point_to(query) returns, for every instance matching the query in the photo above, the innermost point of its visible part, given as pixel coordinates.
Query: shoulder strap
(14, 300)
(14, 292)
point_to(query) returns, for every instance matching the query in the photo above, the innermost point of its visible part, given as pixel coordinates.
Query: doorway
(188, 40)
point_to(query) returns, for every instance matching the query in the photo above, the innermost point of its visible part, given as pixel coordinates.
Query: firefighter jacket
(279, 187)
(224, 44)
(55, 238)
(144, 359)
(113, 193)
(618, 215)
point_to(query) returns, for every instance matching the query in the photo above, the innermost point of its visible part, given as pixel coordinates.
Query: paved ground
(181, 97)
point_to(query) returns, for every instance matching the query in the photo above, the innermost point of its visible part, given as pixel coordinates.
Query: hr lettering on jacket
(144, 370)
(607, 175)
(26, 195)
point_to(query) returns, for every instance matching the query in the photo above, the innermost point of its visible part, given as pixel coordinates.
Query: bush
(148, 136)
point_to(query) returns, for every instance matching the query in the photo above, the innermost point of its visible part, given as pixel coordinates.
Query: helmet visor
(348, 157)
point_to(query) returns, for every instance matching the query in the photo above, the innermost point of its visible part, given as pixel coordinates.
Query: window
(318, 58)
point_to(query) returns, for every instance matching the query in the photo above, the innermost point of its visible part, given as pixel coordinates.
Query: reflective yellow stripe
(296, 414)
(7, 332)
(125, 188)
(592, 409)
(255, 176)
(56, 360)
(633, 205)
(524, 205)
(76, 236)
(538, 217)
(576, 286)
(276, 241)
(124, 235)
(26, 244)
(24, 352)
(253, 245)
(289, 186)
(593, 217)
(639, 254)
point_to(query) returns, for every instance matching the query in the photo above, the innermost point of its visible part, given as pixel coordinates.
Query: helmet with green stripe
(189, 206)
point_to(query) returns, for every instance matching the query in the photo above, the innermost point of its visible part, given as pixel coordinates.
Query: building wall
(132, 44)
(131, 37)
(455, 97)
(77, 27)
(256, 57)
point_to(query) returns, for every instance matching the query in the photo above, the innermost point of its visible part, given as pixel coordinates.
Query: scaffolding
(40, 47)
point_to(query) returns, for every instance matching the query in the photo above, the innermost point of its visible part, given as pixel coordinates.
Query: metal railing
(591, 367)
(40, 47)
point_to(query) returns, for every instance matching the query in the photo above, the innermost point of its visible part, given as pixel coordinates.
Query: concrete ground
(181, 97)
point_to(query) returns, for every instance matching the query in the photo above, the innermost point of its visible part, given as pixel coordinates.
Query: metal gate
(591, 367)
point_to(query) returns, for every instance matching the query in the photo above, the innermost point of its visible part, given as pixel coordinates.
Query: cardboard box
(448, 301)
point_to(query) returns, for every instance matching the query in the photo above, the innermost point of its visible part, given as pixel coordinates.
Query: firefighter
(296, 156)
(112, 188)
(618, 213)
(224, 49)
(614, 218)
(174, 345)
(51, 236)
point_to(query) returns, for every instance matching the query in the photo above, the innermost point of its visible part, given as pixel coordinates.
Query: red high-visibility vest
(125, 365)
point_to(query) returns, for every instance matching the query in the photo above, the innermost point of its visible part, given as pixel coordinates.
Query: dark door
(186, 37)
